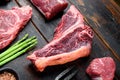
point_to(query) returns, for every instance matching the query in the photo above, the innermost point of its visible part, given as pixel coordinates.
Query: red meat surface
(50, 8)
(102, 69)
(11, 22)
(72, 40)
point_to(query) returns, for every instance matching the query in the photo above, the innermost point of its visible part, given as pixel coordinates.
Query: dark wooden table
(102, 15)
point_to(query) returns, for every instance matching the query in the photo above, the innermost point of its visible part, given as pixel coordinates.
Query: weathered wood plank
(114, 7)
(39, 27)
(44, 26)
(102, 21)
(7, 5)
(21, 64)
(98, 51)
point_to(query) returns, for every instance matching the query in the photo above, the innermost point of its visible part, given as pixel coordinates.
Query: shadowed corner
(113, 6)
(117, 1)
(4, 2)
(58, 16)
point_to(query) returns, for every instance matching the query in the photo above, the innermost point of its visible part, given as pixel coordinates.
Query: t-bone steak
(50, 8)
(72, 40)
(102, 69)
(11, 22)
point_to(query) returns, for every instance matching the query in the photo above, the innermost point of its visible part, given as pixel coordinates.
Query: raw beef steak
(72, 40)
(11, 22)
(102, 69)
(50, 8)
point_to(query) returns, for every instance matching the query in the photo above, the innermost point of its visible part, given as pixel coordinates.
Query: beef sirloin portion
(50, 8)
(102, 69)
(72, 40)
(11, 22)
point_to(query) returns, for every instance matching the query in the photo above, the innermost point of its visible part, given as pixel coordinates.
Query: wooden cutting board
(103, 18)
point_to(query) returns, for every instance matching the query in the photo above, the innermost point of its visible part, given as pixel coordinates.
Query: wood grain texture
(105, 43)
(21, 64)
(44, 26)
(102, 21)
(114, 7)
